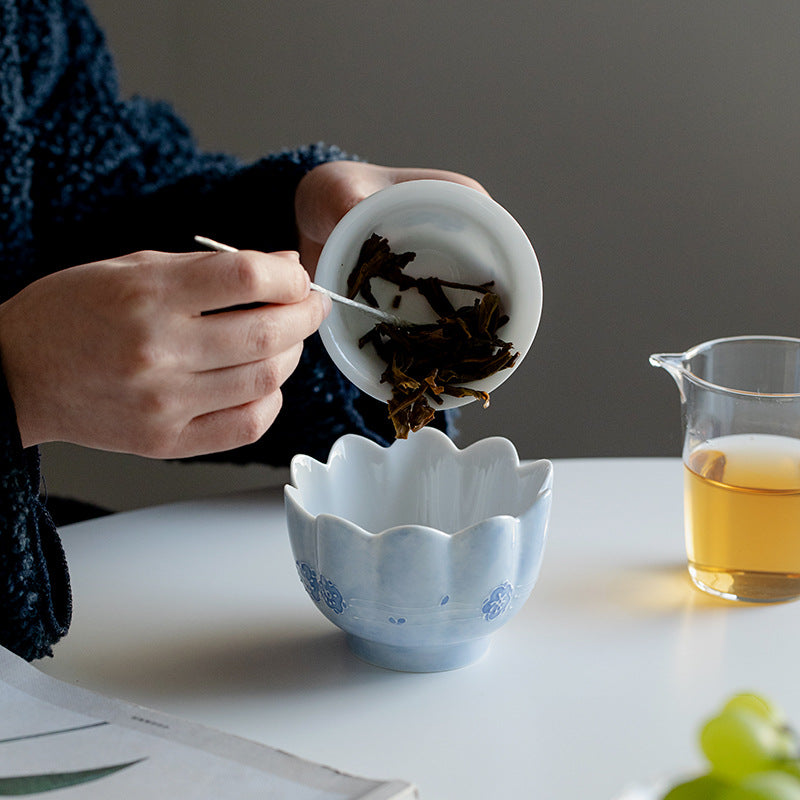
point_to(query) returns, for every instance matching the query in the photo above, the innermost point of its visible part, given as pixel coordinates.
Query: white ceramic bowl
(458, 234)
(419, 551)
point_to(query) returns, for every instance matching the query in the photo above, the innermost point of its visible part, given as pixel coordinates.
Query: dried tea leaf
(376, 259)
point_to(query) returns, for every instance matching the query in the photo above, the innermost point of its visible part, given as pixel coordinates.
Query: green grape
(772, 714)
(739, 741)
(758, 705)
(706, 787)
(769, 785)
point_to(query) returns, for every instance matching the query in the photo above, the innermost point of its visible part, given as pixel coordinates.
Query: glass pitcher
(740, 402)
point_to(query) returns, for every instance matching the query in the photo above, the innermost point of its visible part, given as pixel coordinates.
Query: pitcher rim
(696, 349)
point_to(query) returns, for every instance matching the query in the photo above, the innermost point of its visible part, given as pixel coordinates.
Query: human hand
(326, 193)
(117, 354)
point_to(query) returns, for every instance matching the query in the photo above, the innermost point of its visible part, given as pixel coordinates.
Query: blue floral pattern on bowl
(308, 576)
(320, 589)
(435, 550)
(323, 590)
(331, 595)
(497, 602)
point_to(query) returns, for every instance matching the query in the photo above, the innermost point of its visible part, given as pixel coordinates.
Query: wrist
(13, 406)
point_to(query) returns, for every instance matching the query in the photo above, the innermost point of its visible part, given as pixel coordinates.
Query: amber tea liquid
(742, 507)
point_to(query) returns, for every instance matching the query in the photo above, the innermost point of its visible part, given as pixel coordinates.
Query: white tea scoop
(383, 316)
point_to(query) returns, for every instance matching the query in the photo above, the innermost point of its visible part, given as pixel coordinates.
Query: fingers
(246, 335)
(229, 428)
(212, 382)
(225, 391)
(197, 282)
(210, 411)
(413, 174)
(330, 190)
(229, 387)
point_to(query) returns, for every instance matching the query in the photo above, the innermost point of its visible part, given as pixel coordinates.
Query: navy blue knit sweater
(85, 175)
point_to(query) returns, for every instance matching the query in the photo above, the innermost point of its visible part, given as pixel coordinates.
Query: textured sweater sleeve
(126, 175)
(92, 175)
(35, 600)
(87, 175)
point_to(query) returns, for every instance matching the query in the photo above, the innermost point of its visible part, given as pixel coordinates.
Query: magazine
(58, 740)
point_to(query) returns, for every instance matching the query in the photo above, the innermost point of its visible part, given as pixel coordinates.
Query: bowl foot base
(435, 658)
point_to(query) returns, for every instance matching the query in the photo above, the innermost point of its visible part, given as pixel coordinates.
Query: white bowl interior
(458, 234)
(438, 487)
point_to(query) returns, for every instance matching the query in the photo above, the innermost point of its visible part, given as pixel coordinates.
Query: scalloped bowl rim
(438, 439)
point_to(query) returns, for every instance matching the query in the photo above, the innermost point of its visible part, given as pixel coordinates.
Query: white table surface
(599, 681)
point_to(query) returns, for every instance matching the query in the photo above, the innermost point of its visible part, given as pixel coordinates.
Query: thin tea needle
(383, 316)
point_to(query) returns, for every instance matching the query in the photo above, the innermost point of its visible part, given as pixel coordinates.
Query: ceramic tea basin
(458, 234)
(419, 551)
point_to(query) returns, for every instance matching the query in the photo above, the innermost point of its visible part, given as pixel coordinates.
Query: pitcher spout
(674, 364)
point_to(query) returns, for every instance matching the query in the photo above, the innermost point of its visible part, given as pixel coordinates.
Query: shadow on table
(283, 661)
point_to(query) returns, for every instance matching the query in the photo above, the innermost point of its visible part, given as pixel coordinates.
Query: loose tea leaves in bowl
(458, 234)
(426, 361)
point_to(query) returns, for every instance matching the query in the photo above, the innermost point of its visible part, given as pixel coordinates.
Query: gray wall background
(649, 149)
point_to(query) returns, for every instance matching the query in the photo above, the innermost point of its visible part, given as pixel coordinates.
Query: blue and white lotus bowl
(419, 551)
